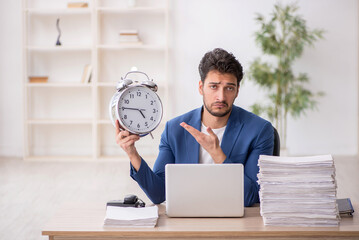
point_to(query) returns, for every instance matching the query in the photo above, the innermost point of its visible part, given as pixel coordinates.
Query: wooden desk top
(87, 221)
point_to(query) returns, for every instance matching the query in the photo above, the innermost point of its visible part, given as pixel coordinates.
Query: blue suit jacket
(245, 138)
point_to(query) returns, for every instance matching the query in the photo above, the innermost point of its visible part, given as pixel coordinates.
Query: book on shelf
(86, 75)
(128, 32)
(129, 36)
(38, 79)
(77, 5)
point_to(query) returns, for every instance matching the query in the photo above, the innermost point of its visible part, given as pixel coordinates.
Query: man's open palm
(209, 142)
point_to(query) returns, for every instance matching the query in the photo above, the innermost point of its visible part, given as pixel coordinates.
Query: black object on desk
(128, 201)
(345, 206)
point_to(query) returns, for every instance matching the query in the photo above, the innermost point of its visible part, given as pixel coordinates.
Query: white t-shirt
(204, 156)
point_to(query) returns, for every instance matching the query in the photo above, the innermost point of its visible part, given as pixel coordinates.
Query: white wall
(201, 25)
(11, 103)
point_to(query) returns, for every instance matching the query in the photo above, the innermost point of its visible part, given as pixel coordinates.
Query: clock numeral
(127, 101)
(139, 94)
(132, 95)
(146, 124)
(138, 125)
(131, 122)
(151, 102)
(125, 116)
(151, 118)
(154, 110)
(146, 95)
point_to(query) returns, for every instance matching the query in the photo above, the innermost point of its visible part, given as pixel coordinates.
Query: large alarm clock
(136, 105)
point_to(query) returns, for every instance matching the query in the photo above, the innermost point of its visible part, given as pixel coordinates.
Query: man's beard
(217, 114)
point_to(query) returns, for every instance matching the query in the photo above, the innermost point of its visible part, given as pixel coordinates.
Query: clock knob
(124, 83)
(151, 85)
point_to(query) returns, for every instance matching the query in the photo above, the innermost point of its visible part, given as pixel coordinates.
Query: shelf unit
(65, 119)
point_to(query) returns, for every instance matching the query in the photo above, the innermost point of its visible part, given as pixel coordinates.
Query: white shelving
(58, 49)
(54, 11)
(65, 119)
(59, 121)
(132, 10)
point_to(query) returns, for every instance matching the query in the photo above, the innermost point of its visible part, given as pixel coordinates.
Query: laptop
(204, 190)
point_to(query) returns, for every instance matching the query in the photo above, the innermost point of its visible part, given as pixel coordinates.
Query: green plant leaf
(284, 36)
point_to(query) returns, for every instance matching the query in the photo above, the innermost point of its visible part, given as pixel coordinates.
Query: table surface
(87, 220)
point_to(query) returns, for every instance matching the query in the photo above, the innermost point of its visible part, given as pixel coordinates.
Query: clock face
(139, 110)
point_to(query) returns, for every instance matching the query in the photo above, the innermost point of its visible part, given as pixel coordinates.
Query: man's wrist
(135, 160)
(218, 156)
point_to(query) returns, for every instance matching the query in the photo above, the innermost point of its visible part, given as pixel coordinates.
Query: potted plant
(283, 37)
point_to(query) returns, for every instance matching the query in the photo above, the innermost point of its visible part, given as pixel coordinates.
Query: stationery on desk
(345, 207)
(130, 212)
(131, 216)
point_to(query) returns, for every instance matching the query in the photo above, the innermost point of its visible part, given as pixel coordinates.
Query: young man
(218, 132)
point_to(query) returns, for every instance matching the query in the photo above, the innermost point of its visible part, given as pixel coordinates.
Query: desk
(86, 222)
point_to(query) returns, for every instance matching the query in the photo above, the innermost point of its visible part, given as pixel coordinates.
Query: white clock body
(137, 108)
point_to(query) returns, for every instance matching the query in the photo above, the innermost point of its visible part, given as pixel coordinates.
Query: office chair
(276, 149)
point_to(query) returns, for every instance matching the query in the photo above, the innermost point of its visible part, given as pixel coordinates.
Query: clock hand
(142, 113)
(133, 109)
(140, 110)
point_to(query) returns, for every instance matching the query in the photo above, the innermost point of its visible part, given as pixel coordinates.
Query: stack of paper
(298, 191)
(131, 216)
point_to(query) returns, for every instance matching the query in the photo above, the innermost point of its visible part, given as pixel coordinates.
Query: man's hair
(222, 61)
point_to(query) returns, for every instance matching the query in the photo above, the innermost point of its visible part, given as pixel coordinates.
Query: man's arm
(153, 182)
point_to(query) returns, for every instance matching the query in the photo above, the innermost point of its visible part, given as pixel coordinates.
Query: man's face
(219, 92)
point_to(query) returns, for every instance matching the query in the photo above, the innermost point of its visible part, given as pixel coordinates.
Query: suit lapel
(234, 126)
(192, 144)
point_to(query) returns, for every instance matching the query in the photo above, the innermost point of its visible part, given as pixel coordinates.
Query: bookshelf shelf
(59, 48)
(134, 10)
(66, 118)
(59, 85)
(132, 46)
(51, 158)
(57, 12)
(59, 121)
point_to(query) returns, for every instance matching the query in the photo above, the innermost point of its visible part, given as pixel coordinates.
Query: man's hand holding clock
(126, 140)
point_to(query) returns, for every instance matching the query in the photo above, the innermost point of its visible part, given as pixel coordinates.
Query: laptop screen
(204, 190)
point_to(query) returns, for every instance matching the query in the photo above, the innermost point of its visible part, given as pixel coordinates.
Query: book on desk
(345, 207)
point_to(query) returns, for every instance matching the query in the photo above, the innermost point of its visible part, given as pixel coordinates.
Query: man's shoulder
(249, 118)
(253, 126)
